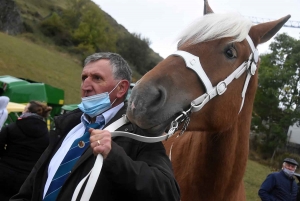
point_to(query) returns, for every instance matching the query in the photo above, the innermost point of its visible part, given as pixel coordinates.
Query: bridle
(193, 62)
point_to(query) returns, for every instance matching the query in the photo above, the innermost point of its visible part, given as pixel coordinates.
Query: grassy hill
(254, 176)
(21, 58)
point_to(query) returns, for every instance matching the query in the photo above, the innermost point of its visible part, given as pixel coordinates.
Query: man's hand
(100, 141)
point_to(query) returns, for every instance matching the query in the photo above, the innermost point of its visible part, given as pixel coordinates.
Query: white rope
(93, 175)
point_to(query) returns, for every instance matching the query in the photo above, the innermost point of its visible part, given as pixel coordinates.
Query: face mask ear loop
(112, 90)
(114, 87)
(113, 102)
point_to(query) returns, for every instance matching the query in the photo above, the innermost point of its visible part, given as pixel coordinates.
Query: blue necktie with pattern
(74, 153)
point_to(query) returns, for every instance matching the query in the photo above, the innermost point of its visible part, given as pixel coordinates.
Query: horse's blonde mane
(215, 26)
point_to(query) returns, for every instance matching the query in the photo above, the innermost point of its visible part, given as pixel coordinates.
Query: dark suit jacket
(25, 140)
(132, 171)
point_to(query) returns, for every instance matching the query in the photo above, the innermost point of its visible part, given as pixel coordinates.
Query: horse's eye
(231, 53)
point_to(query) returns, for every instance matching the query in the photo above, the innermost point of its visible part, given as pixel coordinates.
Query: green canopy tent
(22, 91)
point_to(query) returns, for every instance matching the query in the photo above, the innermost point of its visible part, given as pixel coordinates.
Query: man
(280, 185)
(131, 170)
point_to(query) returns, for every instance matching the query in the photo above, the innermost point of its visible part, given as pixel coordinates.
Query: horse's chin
(156, 130)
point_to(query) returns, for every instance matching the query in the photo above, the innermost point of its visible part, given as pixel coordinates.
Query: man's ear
(123, 88)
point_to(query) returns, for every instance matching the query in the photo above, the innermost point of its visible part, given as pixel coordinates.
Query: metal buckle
(221, 87)
(173, 128)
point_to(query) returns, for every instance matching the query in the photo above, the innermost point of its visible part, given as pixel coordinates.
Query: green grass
(254, 176)
(24, 59)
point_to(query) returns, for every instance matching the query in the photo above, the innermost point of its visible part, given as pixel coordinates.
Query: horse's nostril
(158, 97)
(132, 106)
(147, 99)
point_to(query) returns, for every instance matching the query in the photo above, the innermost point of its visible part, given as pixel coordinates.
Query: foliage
(55, 28)
(83, 28)
(89, 26)
(80, 26)
(277, 98)
(136, 50)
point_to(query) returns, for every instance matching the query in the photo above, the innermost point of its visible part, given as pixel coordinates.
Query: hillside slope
(24, 59)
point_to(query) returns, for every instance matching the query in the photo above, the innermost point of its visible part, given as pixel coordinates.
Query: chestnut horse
(210, 81)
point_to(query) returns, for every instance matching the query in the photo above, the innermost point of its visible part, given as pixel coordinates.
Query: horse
(206, 90)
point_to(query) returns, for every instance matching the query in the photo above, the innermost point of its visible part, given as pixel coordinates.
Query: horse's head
(216, 64)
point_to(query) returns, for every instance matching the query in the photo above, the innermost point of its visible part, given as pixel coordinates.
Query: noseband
(193, 62)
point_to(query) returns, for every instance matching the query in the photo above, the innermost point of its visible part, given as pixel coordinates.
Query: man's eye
(97, 78)
(83, 78)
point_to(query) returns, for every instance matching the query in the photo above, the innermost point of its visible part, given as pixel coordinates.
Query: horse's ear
(207, 8)
(265, 31)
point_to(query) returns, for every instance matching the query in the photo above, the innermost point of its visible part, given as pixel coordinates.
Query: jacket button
(126, 129)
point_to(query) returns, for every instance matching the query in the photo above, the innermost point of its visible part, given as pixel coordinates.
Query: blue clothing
(278, 186)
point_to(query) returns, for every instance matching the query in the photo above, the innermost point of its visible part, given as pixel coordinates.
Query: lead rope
(93, 175)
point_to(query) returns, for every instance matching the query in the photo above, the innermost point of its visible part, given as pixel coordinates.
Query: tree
(135, 49)
(276, 104)
(94, 31)
(54, 27)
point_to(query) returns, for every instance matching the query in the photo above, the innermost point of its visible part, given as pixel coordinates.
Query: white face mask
(290, 173)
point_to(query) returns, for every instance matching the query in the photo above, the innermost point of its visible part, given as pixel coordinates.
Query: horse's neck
(210, 162)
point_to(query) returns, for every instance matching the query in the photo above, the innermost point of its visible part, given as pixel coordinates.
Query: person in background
(280, 185)
(131, 170)
(21, 144)
(3, 111)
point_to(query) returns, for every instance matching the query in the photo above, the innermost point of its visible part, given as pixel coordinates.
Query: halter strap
(193, 62)
(254, 50)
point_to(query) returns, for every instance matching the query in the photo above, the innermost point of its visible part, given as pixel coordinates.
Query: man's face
(290, 166)
(96, 78)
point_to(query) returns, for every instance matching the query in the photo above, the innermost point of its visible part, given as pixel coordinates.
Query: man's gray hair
(120, 67)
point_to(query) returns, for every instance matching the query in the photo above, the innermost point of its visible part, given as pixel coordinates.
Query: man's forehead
(97, 67)
(99, 62)
(290, 163)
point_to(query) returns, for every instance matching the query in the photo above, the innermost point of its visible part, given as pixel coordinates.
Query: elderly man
(132, 170)
(280, 185)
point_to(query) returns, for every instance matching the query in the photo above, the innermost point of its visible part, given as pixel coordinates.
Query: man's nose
(86, 83)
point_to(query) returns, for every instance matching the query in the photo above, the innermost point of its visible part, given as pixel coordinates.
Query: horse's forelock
(215, 26)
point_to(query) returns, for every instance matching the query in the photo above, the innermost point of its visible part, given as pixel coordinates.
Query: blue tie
(74, 153)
